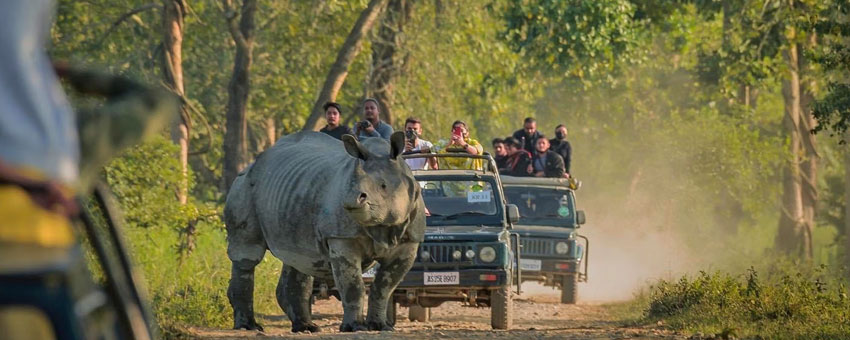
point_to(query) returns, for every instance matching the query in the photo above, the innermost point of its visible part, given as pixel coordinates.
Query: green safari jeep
(552, 251)
(469, 252)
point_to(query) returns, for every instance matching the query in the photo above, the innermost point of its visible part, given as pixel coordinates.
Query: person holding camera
(415, 144)
(461, 142)
(372, 126)
(333, 129)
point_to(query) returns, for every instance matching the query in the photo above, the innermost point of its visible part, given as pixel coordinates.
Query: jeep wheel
(391, 311)
(419, 313)
(569, 289)
(501, 308)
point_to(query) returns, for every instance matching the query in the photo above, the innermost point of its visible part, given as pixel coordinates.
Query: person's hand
(370, 129)
(408, 146)
(539, 174)
(566, 175)
(457, 140)
(530, 169)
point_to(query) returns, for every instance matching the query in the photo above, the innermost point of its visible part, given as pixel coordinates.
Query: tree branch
(123, 17)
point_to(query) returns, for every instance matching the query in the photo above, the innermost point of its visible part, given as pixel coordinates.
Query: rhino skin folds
(326, 208)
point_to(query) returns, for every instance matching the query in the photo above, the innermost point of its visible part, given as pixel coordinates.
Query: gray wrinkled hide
(326, 208)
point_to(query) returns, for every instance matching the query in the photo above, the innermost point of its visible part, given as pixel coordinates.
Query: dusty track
(537, 316)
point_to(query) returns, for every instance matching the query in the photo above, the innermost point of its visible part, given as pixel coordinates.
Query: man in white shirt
(415, 144)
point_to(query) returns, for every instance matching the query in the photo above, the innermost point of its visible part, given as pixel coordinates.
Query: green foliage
(578, 38)
(145, 181)
(790, 303)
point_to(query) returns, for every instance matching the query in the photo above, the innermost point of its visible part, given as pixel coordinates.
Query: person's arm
(556, 165)
(386, 131)
(568, 151)
(473, 147)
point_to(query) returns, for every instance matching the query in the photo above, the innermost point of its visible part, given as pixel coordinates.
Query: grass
(193, 292)
(785, 303)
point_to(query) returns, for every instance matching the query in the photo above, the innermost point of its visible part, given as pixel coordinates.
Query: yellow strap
(24, 222)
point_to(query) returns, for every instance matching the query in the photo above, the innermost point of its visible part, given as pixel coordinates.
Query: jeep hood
(543, 231)
(464, 233)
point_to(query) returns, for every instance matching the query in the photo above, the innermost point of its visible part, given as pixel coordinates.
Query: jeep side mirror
(513, 213)
(580, 219)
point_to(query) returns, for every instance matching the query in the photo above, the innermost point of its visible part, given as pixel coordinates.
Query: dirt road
(537, 316)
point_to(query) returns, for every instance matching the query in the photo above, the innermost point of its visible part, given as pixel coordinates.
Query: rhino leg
(346, 256)
(392, 271)
(293, 295)
(245, 248)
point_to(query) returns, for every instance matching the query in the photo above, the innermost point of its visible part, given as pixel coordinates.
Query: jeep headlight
(424, 256)
(561, 248)
(456, 255)
(470, 254)
(487, 254)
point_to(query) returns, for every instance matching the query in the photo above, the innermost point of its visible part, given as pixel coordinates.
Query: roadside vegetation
(782, 302)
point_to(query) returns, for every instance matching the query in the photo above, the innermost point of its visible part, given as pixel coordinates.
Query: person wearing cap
(562, 147)
(372, 126)
(527, 136)
(333, 128)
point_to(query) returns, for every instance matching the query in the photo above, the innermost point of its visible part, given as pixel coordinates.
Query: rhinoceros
(326, 208)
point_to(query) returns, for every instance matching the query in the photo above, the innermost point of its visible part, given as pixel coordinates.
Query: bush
(789, 304)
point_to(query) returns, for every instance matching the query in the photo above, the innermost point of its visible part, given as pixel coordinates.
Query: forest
(711, 133)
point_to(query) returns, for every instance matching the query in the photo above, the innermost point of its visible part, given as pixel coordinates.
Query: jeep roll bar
(491, 163)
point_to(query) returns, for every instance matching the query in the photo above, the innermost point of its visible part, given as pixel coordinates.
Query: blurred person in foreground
(413, 143)
(545, 162)
(562, 147)
(333, 127)
(48, 153)
(461, 142)
(372, 125)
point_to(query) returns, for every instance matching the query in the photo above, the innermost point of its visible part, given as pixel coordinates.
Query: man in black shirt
(519, 160)
(546, 163)
(333, 128)
(527, 136)
(561, 146)
(500, 153)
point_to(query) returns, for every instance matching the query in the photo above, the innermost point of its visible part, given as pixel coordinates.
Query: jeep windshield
(466, 201)
(542, 206)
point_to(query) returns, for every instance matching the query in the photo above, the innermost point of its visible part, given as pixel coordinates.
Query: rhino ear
(353, 147)
(397, 144)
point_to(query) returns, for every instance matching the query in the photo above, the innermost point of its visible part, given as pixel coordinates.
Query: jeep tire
(569, 289)
(501, 308)
(419, 313)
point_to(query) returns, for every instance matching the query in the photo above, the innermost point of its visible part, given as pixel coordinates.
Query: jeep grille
(442, 253)
(532, 246)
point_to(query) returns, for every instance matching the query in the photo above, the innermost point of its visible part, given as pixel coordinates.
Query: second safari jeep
(551, 251)
(469, 252)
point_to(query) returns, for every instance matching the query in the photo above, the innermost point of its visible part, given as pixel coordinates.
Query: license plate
(529, 264)
(442, 278)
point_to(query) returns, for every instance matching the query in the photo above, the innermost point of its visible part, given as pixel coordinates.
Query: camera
(365, 124)
(410, 135)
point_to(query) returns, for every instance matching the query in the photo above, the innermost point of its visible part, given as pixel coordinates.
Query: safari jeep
(469, 252)
(548, 224)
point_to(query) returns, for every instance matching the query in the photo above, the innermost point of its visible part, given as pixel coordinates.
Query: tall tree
(173, 12)
(238, 89)
(339, 70)
(387, 59)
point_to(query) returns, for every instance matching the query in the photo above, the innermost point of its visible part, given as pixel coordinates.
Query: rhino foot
(352, 327)
(379, 326)
(305, 327)
(250, 326)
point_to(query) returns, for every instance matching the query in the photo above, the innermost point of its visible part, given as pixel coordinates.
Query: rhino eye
(384, 186)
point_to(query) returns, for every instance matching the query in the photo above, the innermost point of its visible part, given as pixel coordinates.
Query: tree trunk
(172, 72)
(386, 61)
(794, 236)
(847, 206)
(339, 70)
(236, 125)
(271, 132)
